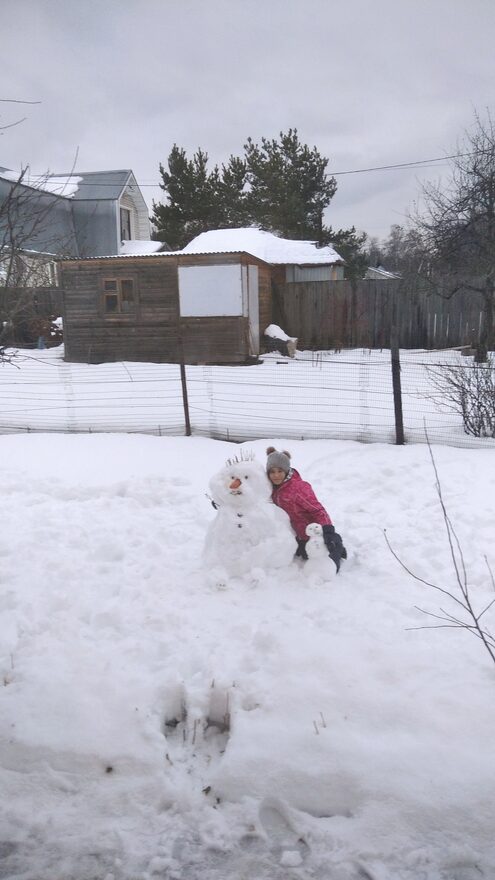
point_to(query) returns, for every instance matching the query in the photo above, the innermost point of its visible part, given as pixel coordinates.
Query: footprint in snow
(196, 739)
(282, 836)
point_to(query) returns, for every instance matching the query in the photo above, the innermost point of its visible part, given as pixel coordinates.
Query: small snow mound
(276, 332)
(291, 858)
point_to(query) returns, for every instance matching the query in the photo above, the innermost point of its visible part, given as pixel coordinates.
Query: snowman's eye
(246, 477)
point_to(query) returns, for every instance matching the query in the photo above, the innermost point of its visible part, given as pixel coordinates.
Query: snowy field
(343, 395)
(154, 727)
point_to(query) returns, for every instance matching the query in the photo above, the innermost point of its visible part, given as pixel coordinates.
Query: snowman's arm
(213, 503)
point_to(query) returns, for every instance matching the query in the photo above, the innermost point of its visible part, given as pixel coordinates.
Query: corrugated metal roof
(164, 254)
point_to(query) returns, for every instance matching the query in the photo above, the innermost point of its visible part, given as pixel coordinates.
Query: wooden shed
(152, 307)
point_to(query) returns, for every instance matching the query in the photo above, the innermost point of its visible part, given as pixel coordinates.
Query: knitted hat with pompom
(277, 460)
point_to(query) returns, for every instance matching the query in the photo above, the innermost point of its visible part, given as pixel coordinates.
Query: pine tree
(232, 196)
(281, 186)
(198, 199)
(192, 204)
(289, 188)
(349, 244)
(289, 192)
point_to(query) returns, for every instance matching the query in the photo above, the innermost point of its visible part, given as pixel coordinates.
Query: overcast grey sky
(369, 82)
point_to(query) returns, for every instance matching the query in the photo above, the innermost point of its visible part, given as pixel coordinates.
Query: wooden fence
(325, 314)
(338, 314)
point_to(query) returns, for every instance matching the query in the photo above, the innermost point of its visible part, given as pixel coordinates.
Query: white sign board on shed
(210, 291)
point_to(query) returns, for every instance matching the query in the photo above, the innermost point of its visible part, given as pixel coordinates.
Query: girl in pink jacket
(297, 498)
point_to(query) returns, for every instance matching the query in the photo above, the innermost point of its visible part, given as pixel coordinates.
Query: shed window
(119, 296)
(111, 302)
(126, 295)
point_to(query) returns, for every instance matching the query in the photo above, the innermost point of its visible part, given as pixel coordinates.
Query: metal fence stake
(184, 388)
(395, 356)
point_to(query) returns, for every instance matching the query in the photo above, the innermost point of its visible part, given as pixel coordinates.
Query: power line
(418, 163)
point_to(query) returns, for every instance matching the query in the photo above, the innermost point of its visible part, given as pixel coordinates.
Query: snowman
(249, 535)
(318, 566)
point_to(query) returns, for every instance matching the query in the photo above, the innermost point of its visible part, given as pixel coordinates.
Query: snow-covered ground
(154, 727)
(343, 395)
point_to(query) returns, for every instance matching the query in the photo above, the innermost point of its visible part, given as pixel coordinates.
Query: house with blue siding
(79, 215)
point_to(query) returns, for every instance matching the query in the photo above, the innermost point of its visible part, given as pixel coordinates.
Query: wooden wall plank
(335, 314)
(154, 332)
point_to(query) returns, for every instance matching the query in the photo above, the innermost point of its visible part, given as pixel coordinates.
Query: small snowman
(318, 566)
(250, 535)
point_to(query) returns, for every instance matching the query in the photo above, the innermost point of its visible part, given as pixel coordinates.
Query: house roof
(379, 272)
(264, 245)
(158, 255)
(99, 185)
(83, 185)
(58, 185)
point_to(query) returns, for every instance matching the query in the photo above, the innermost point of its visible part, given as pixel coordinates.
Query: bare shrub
(469, 390)
(466, 615)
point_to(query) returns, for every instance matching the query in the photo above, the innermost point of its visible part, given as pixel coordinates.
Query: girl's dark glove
(301, 548)
(334, 545)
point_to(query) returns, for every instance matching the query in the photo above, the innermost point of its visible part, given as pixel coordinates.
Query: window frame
(118, 279)
(128, 214)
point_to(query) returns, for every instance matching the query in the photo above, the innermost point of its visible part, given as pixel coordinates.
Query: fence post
(185, 401)
(395, 356)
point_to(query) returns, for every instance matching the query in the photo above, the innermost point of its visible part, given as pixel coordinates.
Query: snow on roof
(85, 185)
(263, 245)
(143, 248)
(103, 185)
(59, 185)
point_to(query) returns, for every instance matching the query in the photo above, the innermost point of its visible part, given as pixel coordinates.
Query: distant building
(291, 260)
(83, 214)
(381, 274)
(208, 303)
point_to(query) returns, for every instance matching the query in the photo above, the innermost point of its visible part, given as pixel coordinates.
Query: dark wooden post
(185, 401)
(394, 352)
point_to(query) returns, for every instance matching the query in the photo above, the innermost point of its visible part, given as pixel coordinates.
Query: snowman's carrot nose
(235, 483)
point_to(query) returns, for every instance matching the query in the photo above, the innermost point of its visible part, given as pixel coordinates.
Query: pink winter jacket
(297, 498)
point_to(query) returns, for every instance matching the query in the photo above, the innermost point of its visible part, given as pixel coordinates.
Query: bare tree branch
(417, 577)
(470, 621)
(12, 124)
(30, 238)
(486, 609)
(17, 101)
(455, 225)
(469, 390)
(490, 571)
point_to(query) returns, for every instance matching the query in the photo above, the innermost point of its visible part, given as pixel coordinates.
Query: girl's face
(276, 476)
